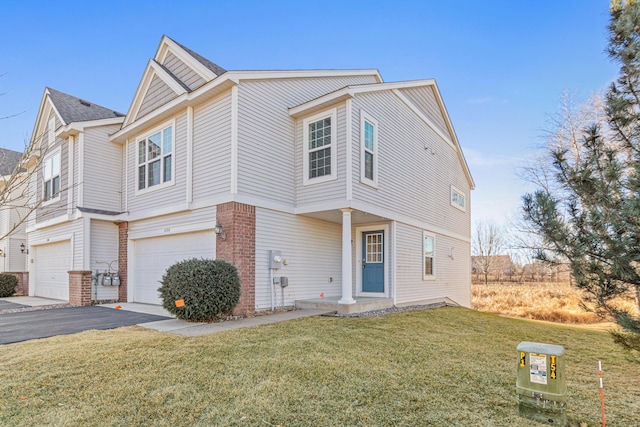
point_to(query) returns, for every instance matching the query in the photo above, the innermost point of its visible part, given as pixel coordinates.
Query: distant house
(13, 210)
(349, 186)
(496, 267)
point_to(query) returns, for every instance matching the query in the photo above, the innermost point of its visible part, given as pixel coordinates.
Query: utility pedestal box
(541, 383)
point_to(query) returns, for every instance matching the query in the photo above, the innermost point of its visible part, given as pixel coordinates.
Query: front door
(373, 261)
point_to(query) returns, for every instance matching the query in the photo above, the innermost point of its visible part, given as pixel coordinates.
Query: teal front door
(373, 261)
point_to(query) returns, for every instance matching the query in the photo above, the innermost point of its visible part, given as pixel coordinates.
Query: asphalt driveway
(28, 325)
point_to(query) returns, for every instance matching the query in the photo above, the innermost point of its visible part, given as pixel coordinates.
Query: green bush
(8, 285)
(209, 288)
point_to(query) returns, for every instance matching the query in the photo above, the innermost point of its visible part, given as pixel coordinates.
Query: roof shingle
(74, 109)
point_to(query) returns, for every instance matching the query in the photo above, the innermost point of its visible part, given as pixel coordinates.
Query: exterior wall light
(23, 249)
(219, 231)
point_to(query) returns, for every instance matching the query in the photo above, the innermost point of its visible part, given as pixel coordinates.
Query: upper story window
(51, 168)
(51, 134)
(320, 147)
(458, 199)
(368, 150)
(155, 158)
(429, 257)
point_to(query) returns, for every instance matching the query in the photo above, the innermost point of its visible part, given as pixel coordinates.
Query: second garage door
(52, 265)
(152, 257)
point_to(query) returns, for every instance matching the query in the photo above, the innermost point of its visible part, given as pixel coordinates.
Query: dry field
(554, 302)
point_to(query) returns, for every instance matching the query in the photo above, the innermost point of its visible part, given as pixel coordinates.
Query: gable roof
(72, 109)
(9, 159)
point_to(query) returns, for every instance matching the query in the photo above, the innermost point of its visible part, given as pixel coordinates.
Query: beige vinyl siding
(158, 94)
(453, 276)
(102, 170)
(104, 250)
(14, 259)
(59, 207)
(411, 179)
(270, 143)
(424, 98)
(311, 247)
(212, 148)
(69, 230)
(200, 219)
(183, 72)
(34, 196)
(154, 198)
(328, 190)
(76, 172)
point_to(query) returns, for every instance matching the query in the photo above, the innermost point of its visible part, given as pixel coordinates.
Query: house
(13, 201)
(75, 178)
(350, 187)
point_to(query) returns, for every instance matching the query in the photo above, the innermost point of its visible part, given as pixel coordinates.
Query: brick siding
(123, 242)
(80, 287)
(239, 248)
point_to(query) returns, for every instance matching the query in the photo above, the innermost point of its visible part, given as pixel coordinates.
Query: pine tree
(592, 220)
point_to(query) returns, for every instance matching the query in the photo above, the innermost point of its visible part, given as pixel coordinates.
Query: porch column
(347, 298)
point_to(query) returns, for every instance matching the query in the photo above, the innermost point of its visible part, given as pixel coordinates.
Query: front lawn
(446, 366)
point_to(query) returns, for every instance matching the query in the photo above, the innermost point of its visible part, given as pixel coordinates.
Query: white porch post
(347, 297)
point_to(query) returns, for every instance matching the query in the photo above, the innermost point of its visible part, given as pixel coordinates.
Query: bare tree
(486, 245)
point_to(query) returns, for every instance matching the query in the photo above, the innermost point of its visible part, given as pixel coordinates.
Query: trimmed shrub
(209, 288)
(8, 285)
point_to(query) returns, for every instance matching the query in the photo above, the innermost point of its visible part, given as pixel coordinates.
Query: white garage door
(52, 264)
(152, 257)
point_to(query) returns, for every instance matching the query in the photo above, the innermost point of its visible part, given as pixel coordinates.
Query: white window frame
(425, 276)
(50, 158)
(158, 129)
(333, 114)
(457, 193)
(364, 118)
(51, 134)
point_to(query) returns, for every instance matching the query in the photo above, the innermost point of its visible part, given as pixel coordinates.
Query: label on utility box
(538, 368)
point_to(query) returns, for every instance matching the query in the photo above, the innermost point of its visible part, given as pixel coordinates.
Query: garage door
(152, 257)
(52, 263)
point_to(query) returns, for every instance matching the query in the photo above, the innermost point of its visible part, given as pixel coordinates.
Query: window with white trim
(368, 150)
(428, 256)
(51, 188)
(320, 147)
(155, 158)
(51, 134)
(458, 199)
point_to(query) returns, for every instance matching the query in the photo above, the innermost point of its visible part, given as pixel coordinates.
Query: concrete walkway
(182, 327)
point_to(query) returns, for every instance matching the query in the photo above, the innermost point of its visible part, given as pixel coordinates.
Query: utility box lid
(536, 347)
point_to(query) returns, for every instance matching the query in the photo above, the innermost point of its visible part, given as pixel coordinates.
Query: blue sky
(501, 66)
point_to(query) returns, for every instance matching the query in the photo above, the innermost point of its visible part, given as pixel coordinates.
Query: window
(428, 247)
(51, 134)
(320, 147)
(52, 177)
(368, 150)
(457, 199)
(155, 159)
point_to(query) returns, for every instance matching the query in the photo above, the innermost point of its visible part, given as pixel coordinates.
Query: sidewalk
(190, 329)
(177, 326)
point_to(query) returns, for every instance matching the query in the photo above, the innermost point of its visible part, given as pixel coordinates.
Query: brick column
(80, 287)
(123, 245)
(23, 282)
(239, 248)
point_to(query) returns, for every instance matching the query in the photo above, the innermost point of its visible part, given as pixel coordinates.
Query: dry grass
(554, 302)
(447, 366)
